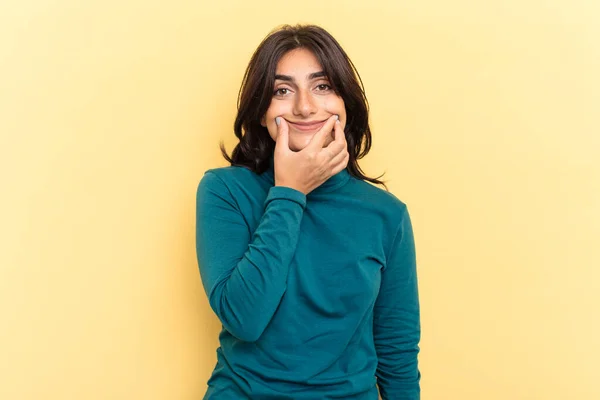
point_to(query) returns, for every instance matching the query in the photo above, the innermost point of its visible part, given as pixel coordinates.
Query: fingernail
(277, 121)
(337, 117)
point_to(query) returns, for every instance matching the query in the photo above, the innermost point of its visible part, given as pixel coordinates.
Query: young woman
(310, 268)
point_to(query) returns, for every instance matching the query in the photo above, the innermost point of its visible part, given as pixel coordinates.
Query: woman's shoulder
(379, 196)
(230, 171)
(227, 179)
(386, 208)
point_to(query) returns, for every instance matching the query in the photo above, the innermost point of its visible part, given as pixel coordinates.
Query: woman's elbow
(243, 327)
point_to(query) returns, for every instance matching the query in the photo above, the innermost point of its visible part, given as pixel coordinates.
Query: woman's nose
(305, 104)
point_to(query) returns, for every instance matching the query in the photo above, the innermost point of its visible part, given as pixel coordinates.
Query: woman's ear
(262, 121)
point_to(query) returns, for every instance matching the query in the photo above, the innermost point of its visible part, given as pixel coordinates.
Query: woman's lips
(307, 128)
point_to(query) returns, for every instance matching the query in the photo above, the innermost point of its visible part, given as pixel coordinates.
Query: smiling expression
(302, 96)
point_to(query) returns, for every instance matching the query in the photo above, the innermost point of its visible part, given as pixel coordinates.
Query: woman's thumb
(282, 133)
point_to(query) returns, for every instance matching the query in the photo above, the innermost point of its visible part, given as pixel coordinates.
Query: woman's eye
(283, 91)
(278, 91)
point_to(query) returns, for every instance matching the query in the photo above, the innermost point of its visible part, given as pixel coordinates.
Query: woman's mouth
(307, 128)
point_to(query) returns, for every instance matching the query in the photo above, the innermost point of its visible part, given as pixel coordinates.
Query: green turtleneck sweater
(317, 293)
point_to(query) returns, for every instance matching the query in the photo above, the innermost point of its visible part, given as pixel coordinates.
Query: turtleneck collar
(334, 182)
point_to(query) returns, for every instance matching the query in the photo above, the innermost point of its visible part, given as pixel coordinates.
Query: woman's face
(300, 98)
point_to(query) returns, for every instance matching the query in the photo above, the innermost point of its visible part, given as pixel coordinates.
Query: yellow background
(485, 116)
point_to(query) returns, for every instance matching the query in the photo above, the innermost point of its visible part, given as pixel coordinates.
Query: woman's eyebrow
(312, 76)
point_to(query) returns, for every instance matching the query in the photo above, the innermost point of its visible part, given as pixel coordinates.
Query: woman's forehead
(300, 63)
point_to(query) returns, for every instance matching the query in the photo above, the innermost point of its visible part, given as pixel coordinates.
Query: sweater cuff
(286, 193)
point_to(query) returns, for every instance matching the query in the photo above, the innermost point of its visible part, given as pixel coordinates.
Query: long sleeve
(245, 274)
(397, 328)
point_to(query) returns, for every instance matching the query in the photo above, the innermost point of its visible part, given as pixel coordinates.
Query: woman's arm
(397, 328)
(245, 275)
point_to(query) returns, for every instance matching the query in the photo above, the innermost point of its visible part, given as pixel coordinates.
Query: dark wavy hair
(256, 145)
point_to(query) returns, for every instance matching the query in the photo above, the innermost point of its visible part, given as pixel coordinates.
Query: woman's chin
(296, 148)
(297, 144)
